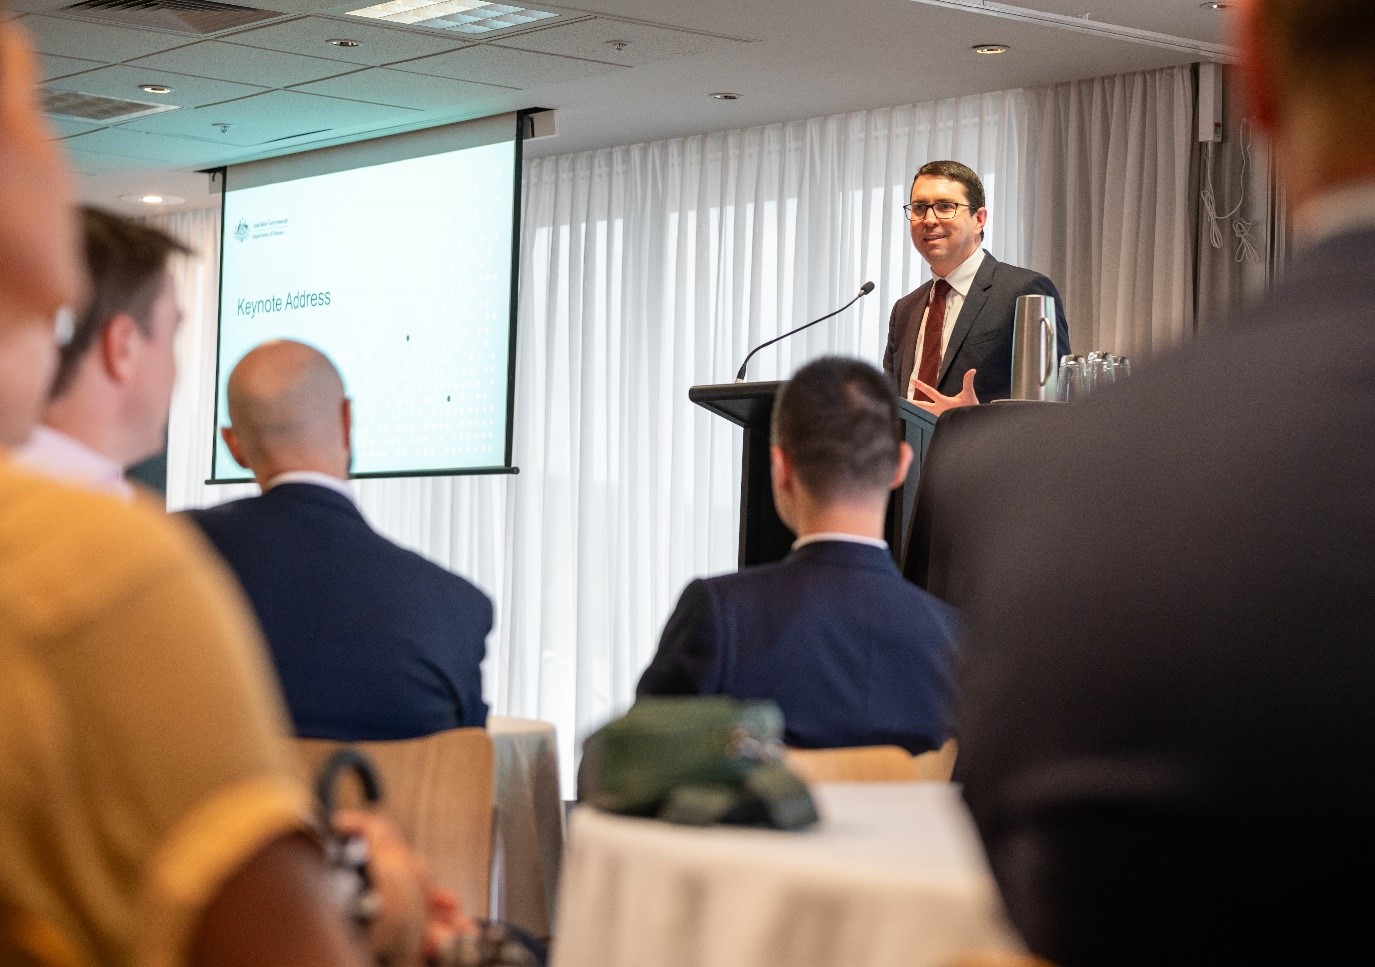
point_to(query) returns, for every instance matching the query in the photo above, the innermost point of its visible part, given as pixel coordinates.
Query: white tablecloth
(527, 845)
(893, 876)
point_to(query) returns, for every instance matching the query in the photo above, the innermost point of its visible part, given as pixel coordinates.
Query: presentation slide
(401, 273)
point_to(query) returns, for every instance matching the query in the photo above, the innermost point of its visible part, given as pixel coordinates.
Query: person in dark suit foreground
(1170, 713)
(853, 653)
(371, 641)
(968, 305)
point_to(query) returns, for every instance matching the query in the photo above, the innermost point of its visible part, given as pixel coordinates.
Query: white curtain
(650, 268)
(644, 270)
(1109, 206)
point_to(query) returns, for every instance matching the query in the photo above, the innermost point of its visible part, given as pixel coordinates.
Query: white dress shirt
(59, 457)
(960, 282)
(829, 536)
(316, 478)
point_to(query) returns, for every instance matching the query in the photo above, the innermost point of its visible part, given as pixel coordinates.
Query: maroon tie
(928, 371)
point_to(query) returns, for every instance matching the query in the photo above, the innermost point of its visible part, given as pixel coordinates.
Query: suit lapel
(969, 312)
(908, 350)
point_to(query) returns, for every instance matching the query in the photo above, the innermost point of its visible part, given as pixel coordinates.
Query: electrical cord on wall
(1247, 249)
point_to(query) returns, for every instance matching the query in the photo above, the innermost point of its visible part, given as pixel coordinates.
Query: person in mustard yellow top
(150, 810)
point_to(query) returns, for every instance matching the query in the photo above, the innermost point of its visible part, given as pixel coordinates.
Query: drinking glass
(1071, 381)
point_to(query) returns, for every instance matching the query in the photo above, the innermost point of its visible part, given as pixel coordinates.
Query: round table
(893, 876)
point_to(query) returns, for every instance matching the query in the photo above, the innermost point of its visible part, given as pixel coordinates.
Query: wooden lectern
(763, 537)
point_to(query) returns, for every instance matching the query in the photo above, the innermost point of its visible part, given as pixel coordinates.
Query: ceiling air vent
(100, 110)
(197, 17)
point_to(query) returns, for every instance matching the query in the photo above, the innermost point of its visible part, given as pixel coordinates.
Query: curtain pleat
(1109, 210)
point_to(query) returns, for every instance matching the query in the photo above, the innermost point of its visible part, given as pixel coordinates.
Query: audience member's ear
(346, 414)
(235, 450)
(119, 348)
(904, 464)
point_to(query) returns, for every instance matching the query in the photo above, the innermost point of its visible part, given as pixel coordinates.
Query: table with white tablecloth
(893, 876)
(527, 844)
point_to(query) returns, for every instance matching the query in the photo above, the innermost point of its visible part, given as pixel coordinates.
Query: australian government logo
(272, 228)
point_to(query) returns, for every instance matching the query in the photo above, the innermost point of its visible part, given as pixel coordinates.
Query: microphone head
(866, 288)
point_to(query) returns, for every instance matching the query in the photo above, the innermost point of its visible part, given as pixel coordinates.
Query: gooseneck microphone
(864, 290)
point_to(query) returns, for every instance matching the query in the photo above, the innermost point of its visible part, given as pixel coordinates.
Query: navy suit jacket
(1169, 685)
(370, 640)
(982, 337)
(852, 653)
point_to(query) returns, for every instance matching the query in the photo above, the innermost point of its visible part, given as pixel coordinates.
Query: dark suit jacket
(371, 641)
(1170, 717)
(852, 653)
(982, 334)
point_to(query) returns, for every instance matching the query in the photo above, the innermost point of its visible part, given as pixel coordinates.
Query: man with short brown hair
(950, 340)
(1170, 697)
(114, 377)
(852, 653)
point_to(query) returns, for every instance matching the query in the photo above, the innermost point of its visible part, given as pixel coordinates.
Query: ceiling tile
(153, 150)
(271, 117)
(501, 65)
(123, 82)
(417, 91)
(93, 163)
(597, 39)
(69, 127)
(235, 62)
(377, 45)
(104, 42)
(51, 66)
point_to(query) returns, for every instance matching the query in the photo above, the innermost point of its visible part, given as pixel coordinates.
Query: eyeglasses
(943, 209)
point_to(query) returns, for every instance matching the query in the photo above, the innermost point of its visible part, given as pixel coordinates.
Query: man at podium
(950, 340)
(852, 652)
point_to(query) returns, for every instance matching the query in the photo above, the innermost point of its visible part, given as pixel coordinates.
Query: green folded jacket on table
(696, 761)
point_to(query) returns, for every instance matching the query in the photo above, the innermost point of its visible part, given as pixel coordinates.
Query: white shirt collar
(1336, 213)
(316, 478)
(59, 457)
(831, 536)
(962, 278)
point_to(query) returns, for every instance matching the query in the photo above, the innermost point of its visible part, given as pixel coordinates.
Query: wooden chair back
(438, 791)
(872, 763)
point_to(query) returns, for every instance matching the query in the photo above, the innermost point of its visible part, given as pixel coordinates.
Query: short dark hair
(954, 171)
(1325, 48)
(837, 421)
(126, 262)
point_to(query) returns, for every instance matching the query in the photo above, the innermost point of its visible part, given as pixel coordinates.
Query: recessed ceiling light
(1214, 5)
(340, 42)
(726, 96)
(153, 199)
(990, 48)
(155, 88)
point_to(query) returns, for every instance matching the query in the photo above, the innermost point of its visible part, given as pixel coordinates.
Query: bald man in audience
(371, 641)
(150, 807)
(113, 386)
(1170, 698)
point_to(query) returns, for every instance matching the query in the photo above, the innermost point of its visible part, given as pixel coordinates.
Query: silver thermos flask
(1035, 355)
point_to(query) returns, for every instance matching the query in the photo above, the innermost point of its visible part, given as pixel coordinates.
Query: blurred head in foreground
(40, 268)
